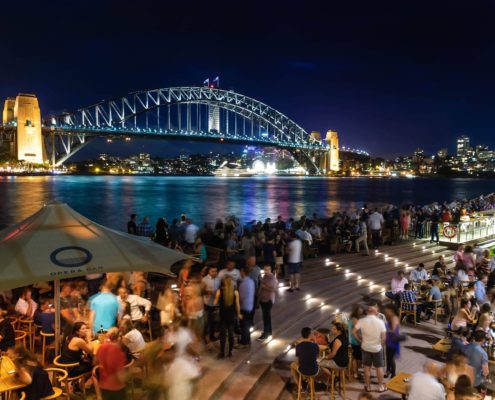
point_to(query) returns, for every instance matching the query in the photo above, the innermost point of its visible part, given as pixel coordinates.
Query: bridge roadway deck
(250, 374)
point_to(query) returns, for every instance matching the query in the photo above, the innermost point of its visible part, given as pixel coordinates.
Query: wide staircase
(329, 285)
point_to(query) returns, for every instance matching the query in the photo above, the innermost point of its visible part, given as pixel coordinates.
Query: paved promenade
(328, 286)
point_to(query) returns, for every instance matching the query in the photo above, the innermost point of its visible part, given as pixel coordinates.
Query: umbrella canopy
(57, 242)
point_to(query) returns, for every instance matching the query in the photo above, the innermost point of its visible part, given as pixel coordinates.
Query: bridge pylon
(24, 113)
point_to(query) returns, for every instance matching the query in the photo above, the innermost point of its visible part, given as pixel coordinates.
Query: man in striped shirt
(409, 296)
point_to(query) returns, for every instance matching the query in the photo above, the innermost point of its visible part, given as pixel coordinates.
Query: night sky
(389, 76)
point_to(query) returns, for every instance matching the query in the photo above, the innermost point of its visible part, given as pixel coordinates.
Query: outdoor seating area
(74, 323)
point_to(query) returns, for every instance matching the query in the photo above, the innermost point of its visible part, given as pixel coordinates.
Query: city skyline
(372, 73)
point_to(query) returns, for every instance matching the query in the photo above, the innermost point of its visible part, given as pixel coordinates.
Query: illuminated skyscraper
(213, 119)
(462, 146)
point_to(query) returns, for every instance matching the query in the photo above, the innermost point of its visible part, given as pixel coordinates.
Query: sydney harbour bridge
(181, 113)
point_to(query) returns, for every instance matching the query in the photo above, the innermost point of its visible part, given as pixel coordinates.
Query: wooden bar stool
(59, 377)
(27, 325)
(70, 379)
(340, 372)
(36, 334)
(45, 346)
(311, 385)
(20, 338)
(350, 355)
(408, 308)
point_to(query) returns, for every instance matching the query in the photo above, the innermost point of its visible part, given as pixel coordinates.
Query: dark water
(110, 199)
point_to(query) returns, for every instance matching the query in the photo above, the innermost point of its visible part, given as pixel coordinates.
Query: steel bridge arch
(116, 113)
(119, 117)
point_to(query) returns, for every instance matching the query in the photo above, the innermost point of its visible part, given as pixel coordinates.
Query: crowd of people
(204, 306)
(112, 320)
(342, 231)
(467, 293)
(375, 339)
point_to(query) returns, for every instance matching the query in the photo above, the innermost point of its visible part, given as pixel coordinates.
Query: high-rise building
(214, 119)
(443, 153)
(463, 146)
(480, 148)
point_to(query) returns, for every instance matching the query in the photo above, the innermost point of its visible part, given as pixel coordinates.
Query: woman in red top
(111, 373)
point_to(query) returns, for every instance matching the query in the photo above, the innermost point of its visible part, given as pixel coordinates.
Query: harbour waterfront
(110, 199)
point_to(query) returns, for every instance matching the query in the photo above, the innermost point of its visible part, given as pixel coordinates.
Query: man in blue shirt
(434, 295)
(480, 290)
(246, 300)
(104, 309)
(477, 358)
(418, 274)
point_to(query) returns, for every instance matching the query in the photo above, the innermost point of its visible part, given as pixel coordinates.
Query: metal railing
(463, 231)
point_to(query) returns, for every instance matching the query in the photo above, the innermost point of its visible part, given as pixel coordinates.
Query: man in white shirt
(294, 260)
(303, 234)
(424, 385)
(135, 302)
(191, 233)
(315, 231)
(209, 286)
(26, 305)
(419, 273)
(375, 222)
(371, 332)
(397, 286)
(231, 271)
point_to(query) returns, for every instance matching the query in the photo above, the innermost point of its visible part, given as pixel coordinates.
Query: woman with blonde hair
(405, 222)
(167, 304)
(227, 297)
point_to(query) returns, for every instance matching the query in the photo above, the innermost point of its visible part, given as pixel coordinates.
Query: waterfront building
(462, 146)
(443, 153)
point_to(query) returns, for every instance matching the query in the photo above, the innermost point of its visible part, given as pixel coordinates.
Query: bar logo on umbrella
(71, 256)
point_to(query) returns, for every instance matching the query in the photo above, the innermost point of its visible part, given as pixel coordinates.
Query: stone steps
(249, 374)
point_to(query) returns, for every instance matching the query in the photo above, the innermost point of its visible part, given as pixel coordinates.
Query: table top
(443, 345)
(8, 381)
(397, 384)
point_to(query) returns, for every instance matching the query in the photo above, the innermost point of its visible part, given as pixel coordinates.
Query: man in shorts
(371, 331)
(294, 261)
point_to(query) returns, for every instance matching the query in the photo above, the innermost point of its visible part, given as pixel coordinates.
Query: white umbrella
(57, 242)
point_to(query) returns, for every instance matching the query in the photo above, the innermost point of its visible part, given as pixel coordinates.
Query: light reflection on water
(110, 199)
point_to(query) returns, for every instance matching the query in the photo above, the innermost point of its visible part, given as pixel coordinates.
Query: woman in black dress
(76, 349)
(227, 297)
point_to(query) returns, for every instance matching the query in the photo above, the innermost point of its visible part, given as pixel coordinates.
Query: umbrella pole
(57, 315)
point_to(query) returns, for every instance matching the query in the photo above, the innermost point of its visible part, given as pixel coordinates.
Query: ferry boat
(232, 170)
